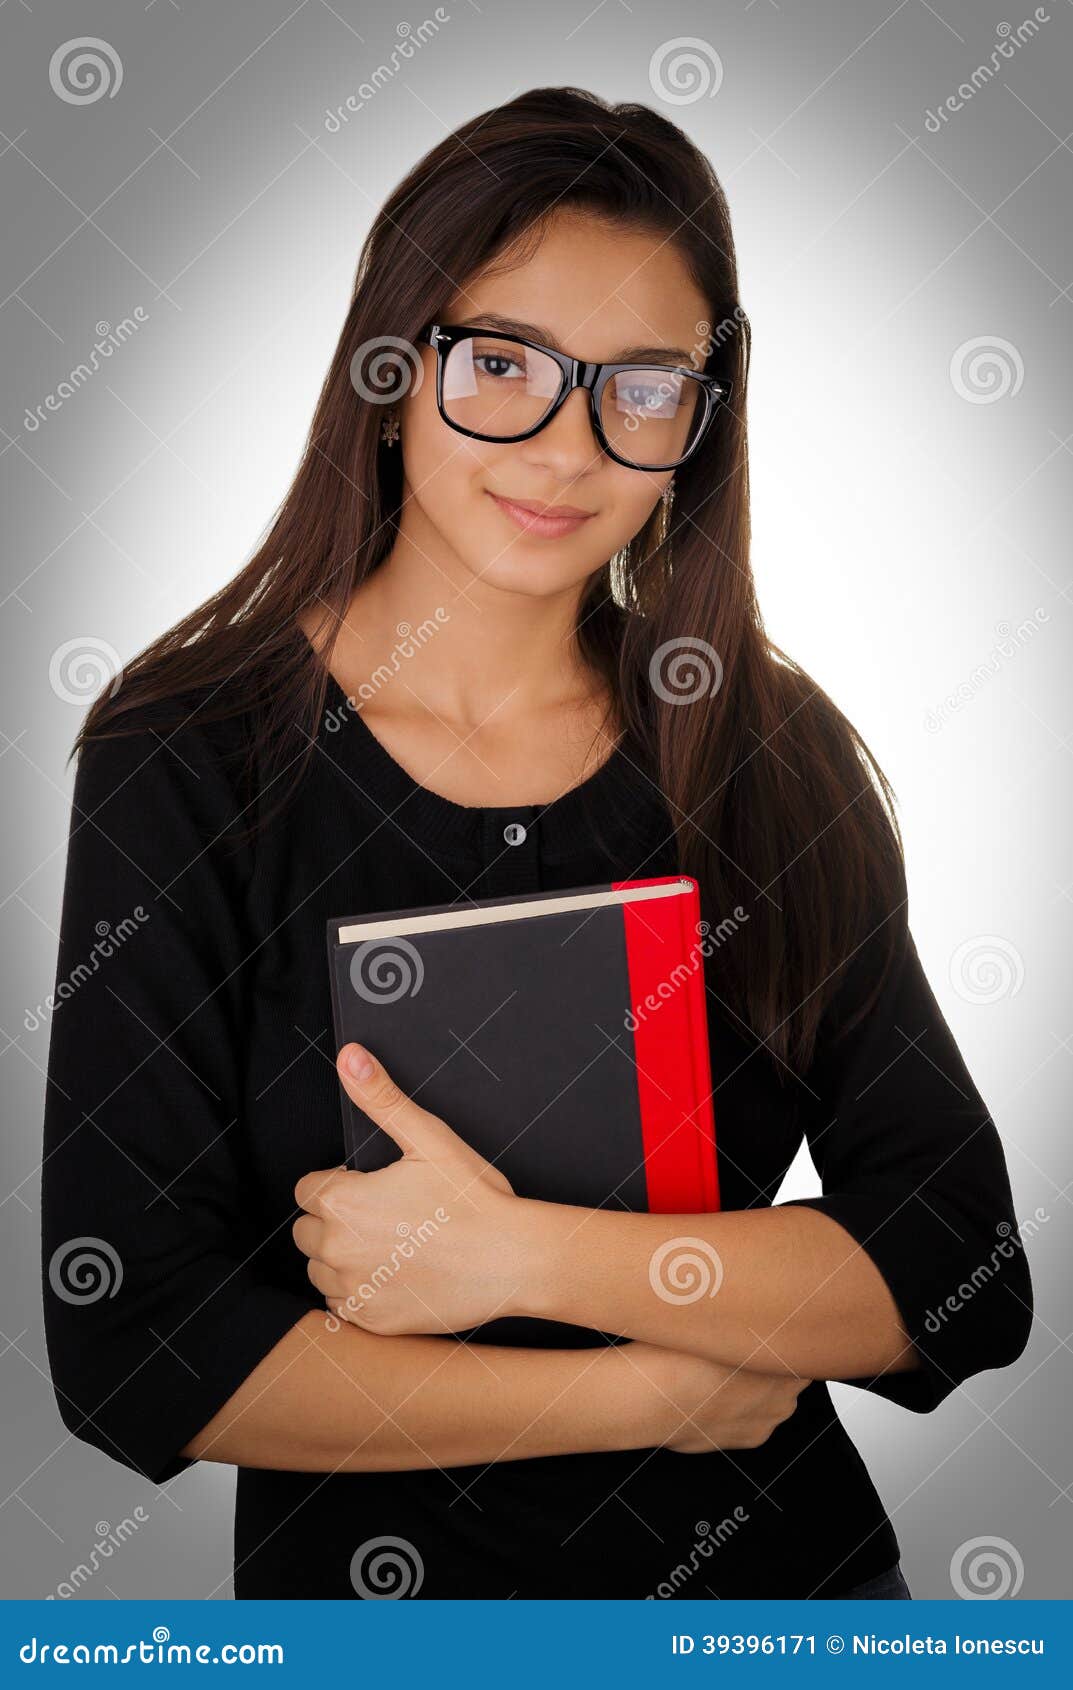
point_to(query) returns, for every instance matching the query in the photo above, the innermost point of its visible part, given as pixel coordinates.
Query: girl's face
(595, 292)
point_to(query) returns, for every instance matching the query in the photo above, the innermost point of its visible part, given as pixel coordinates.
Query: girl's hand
(698, 1405)
(429, 1244)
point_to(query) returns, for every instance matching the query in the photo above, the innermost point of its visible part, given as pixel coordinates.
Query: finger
(308, 1234)
(416, 1131)
(311, 1189)
(326, 1280)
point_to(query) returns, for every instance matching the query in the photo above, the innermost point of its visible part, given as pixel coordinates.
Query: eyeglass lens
(497, 387)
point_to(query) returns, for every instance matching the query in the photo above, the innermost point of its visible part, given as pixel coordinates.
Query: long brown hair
(779, 808)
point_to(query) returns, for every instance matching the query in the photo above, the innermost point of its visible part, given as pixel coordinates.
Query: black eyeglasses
(494, 386)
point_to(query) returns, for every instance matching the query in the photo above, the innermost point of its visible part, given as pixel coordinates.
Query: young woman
(510, 584)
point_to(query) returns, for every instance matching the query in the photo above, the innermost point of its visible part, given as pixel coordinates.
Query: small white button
(514, 833)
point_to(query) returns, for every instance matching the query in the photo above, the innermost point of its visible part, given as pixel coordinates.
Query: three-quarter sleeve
(912, 1168)
(155, 1308)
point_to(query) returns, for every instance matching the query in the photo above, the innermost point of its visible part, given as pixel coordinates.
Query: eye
(498, 364)
(654, 398)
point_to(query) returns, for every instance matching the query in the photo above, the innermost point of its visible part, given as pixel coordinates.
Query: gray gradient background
(906, 523)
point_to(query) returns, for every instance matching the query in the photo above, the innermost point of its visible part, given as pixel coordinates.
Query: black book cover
(516, 1033)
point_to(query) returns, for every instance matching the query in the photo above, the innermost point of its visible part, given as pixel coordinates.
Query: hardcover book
(562, 1034)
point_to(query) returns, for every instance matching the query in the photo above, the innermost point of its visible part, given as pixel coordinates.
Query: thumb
(416, 1131)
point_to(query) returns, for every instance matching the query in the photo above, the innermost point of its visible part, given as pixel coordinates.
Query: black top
(192, 1084)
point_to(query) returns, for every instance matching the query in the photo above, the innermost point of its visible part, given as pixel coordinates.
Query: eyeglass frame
(574, 372)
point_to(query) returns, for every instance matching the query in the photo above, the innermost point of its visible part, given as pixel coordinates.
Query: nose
(567, 446)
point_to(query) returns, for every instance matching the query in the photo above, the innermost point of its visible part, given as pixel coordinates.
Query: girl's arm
(784, 1290)
(906, 1275)
(331, 1398)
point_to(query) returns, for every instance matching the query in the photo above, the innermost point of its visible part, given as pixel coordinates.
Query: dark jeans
(889, 1585)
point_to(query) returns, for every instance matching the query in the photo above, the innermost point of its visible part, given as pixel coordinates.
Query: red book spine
(671, 1050)
(703, 1114)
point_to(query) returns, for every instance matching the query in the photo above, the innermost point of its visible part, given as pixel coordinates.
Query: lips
(549, 522)
(538, 509)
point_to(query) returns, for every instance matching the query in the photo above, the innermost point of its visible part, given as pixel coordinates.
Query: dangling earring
(389, 431)
(665, 503)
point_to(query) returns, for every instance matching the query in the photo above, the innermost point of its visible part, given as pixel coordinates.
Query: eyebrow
(533, 331)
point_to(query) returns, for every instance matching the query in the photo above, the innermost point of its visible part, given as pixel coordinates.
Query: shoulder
(875, 963)
(167, 784)
(182, 739)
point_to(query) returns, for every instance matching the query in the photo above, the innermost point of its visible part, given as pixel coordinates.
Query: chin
(532, 568)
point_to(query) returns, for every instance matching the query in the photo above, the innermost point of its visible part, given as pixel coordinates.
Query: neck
(455, 645)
